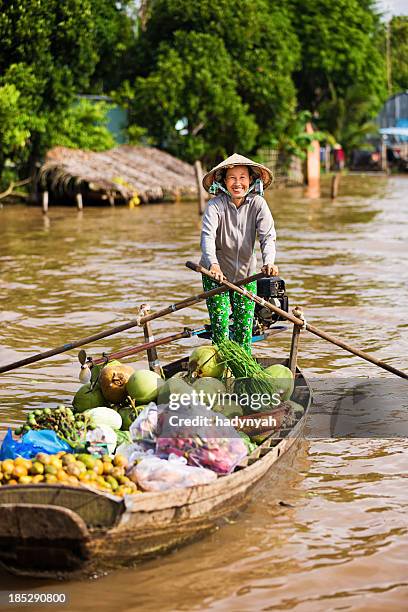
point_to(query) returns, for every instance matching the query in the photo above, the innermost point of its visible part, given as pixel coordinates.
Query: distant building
(393, 127)
(394, 113)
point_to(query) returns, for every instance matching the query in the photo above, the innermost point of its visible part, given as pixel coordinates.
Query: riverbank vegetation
(197, 79)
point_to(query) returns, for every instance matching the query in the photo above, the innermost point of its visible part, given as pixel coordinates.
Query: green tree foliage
(14, 122)
(190, 103)
(51, 52)
(222, 69)
(46, 57)
(295, 140)
(114, 27)
(399, 53)
(342, 77)
(83, 125)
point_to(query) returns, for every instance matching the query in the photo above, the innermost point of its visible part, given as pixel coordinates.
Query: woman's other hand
(216, 272)
(270, 270)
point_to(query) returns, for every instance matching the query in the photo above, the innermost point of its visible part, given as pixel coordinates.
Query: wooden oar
(307, 326)
(133, 350)
(120, 328)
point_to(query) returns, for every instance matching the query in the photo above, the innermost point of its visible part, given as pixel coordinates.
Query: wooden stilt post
(44, 200)
(335, 185)
(200, 189)
(327, 158)
(384, 165)
(294, 347)
(79, 202)
(154, 363)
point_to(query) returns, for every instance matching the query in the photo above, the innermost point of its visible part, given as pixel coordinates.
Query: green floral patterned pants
(242, 314)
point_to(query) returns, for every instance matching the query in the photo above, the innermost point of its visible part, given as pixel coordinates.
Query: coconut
(173, 387)
(209, 387)
(284, 379)
(143, 386)
(96, 369)
(205, 361)
(112, 381)
(85, 399)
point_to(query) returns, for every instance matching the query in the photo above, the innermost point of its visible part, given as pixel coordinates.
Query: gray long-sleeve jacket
(228, 235)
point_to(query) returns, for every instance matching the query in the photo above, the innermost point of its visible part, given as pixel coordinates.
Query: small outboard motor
(273, 290)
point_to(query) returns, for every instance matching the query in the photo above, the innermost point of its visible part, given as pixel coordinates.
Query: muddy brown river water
(328, 531)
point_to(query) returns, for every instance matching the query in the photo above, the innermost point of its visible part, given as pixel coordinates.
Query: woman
(231, 222)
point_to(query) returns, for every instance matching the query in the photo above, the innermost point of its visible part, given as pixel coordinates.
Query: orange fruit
(67, 458)
(117, 472)
(84, 477)
(8, 466)
(56, 462)
(73, 470)
(120, 461)
(38, 478)
(44, 458)
(51, 469)
(19, 471)
(25, 479)
(37, 468)
(107, 467)
(24, 462)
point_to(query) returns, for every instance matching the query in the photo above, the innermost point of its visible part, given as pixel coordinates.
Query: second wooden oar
(300, 322)
(119, 328)
(133, 350)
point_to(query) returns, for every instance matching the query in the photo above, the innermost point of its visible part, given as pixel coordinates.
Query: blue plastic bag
(33, 442)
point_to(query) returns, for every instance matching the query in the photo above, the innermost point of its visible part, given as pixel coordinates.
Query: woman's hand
(270, 270)
(216, 272)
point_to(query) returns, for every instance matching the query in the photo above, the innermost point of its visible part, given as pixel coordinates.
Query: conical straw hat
(237, 160)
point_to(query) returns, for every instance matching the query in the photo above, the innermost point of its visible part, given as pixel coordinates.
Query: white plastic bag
(144, 427)
(103, 434)
(135, 451)
(155, 474)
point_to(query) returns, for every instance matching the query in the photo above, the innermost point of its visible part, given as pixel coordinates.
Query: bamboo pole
(123, 327)
(302, 324)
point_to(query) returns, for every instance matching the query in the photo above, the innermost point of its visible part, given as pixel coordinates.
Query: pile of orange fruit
(105, 473)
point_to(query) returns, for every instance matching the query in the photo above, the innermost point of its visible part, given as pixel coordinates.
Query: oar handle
(193, 266)
(314, 330)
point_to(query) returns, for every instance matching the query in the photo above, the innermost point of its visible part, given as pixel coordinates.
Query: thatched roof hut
(123, 174)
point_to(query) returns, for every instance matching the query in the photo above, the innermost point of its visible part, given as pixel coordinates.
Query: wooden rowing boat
(61, 531)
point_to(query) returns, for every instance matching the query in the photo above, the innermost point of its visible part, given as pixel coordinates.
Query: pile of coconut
(213, 372)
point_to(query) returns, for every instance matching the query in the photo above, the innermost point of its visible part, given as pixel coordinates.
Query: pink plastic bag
(216, 447)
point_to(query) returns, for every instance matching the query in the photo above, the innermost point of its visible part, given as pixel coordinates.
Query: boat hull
(54, 531)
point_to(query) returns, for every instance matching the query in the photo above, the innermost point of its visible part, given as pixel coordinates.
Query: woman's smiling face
(237, 181)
